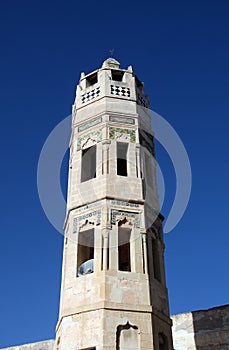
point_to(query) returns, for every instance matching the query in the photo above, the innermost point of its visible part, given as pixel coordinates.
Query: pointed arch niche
(127, 239)
(86, 244)
(124, 244)
(127, 337)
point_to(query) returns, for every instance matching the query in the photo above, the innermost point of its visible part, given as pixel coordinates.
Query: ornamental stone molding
(89, 139)
(91, 123)
(119, 215)
(93, 217)
(126, 204)
(120, 134)
(124, 120)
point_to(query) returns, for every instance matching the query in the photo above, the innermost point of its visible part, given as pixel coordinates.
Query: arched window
(156, 260)
(127, 337)
(163, 342)
(149, 170)
(85, 253)
(153, 251)
(124, 263)
(88, 169)
(122, 148)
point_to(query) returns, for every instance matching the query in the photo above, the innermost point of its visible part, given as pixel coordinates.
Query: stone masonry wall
(197, 330)
(202, 330)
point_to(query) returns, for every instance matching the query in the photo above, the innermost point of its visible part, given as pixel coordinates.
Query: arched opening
(153, 251)
(149, 170)
(163, 342)
(127, 337)
(124, 261)
(85, 253)
(88, 162)
(122, 148)
(156, 260)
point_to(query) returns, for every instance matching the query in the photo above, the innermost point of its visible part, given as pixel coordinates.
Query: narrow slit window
(156, 260)
(163, 342)
(124, 249)
(88, 171)
(149, 170)
(122, 158)
(85, 253)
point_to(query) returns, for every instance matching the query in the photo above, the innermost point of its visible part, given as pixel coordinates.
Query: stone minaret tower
(113, 293)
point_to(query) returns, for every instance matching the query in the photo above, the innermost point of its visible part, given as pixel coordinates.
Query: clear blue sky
(180, 50)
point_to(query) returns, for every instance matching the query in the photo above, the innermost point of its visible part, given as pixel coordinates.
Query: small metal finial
(111, 52)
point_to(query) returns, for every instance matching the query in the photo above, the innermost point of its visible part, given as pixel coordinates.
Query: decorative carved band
(94, 216)
(126, 204)
(122, 134)
(89, 139)
(88, 206)
(89, 124)
(118, 215)
(121, 120)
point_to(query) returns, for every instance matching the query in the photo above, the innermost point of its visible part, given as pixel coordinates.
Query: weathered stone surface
(43, 345)
(202, 330)
(112, 204)
(114, 208)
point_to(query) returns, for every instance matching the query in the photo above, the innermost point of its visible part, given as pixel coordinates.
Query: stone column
(133, 250)
(113, 248)
(113, 158)
(105, 249)
(105, 157)
(98, 249)
(99, 160)
(131, 160)
(145, 253)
